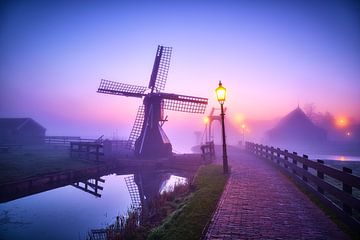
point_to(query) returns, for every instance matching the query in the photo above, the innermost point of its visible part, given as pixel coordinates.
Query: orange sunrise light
(342, 122)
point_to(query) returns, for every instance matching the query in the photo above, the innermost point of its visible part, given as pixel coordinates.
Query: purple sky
(270, 55)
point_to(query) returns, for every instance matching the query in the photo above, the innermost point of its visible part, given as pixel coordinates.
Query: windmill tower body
(147, 137)
(153, 141)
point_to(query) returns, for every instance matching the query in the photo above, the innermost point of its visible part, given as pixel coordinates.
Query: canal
(70, 213)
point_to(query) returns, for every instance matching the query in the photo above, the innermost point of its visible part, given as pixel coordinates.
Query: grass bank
(189, 220)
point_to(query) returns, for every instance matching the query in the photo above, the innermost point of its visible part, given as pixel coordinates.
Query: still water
(334, 157)
(68, 212)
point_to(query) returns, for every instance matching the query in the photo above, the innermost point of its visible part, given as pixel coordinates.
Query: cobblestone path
(261, 203)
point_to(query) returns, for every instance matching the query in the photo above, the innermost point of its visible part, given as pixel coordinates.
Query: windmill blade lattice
(160, 69)
(116, 88)
(137, 127)
(184, 103)
(133, 191)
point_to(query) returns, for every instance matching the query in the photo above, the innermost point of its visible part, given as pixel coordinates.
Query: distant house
(296, 129)
(24, 131)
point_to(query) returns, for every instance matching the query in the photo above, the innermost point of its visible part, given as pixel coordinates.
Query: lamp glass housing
(220, 93)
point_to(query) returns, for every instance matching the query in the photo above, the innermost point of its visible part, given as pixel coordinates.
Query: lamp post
(206, 121)
(243, 126)
(221, 95)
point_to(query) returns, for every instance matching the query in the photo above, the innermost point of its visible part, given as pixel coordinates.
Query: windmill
(147, 138)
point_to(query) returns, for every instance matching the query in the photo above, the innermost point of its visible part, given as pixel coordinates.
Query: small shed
(296, 128)
(24, 131)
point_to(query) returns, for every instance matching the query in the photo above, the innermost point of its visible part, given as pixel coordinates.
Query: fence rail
(339, 190)
(66, 140)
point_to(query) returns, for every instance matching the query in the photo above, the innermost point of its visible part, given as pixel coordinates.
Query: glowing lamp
(220, 93)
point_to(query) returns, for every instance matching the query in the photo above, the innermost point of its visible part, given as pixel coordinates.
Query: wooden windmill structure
(147, 137)
(209, 120)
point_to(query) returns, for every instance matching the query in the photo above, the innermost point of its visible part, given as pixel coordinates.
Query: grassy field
(29, 162)
(189, 220)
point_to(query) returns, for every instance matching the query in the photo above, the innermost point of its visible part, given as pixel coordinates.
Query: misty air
(179, 120)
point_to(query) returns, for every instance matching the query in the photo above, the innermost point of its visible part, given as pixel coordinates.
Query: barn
(23, 131)
(296, 129)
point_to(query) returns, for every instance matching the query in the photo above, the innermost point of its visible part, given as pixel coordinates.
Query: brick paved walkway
(261, 203)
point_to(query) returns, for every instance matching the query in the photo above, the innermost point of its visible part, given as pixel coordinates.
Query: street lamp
(221, 95)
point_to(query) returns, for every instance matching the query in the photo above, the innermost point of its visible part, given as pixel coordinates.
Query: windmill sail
(133, 191)
(116, 88)
(160, 69)
(137, 127)
(182, 103)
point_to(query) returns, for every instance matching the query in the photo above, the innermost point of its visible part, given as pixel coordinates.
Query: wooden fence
(86, 150)
(66, 140)
(338, 190)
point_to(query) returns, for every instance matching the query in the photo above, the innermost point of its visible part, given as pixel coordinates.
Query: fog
(270, 58)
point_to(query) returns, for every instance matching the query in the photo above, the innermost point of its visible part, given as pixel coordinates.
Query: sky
(270, 55)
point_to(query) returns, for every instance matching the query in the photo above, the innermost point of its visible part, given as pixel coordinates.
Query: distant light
(342, 122)
(239, 118)
(206, 120)
(342, 158)
(348, 133)
(243, 126)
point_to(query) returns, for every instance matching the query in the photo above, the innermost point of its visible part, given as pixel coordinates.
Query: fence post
(305, 167)
(265, 154)
(294, 162)
(278, 156)
(321, 176)
(272, 153)
(286, 158)
(347, 189)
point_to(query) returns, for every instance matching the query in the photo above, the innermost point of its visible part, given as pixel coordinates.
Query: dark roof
(16, 123)
(296, 117)
(296, 122)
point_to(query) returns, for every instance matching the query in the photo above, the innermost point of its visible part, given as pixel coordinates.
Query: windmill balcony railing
(338, 189)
